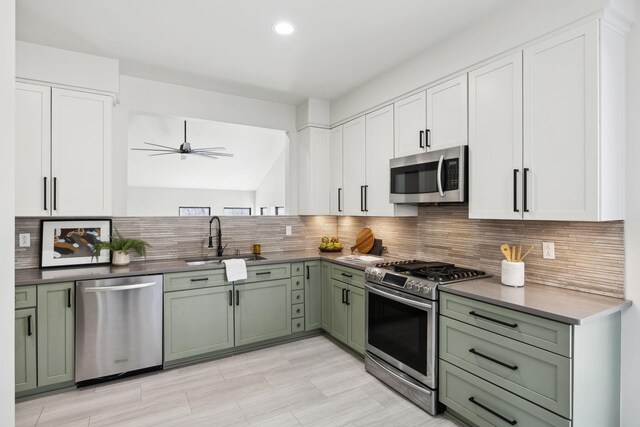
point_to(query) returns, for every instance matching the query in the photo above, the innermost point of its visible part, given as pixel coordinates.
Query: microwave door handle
(440, 164)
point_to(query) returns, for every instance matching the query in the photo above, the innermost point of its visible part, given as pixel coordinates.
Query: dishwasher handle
(120, 288)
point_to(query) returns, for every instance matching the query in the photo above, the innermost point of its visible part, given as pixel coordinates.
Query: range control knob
(419, 288)
(410, 284)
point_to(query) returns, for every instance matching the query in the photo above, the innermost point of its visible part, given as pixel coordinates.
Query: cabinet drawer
(194, 280)
(534, 330)
(263, 273)
(297, 325)
(297, 310)
(25, 296)
(483, 403)
(297, 283)
(537, 375)
(297, 297)
(348, 275)
(297, 269)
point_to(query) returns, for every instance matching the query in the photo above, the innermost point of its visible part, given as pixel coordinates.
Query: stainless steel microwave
(434, 177)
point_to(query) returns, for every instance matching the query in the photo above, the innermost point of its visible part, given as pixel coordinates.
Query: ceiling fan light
(283, 28)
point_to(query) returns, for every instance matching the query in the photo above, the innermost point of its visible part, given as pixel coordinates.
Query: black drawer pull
(344, 298)
(298, 311)
(69, 298)
(347, 275)
(202, 279)
(29, 331)
(506, 365)
(299, 325)
(492, 412)
(237, 297)
(297, 296)
(511, 325)
(307, 272)
(260, 273)
(230, 297)
(347, 299)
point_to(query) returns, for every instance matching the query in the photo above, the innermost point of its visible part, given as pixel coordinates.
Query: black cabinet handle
(237, 297)
(484, 356)
(339, 202)
(298, 296)
(515, 190)
(347, 298)
(366, 196)
(347, 275)
(492, 412)
(202, 279)
(230, 297)
(55, 193)
(262, 273)
(307, 272)
(421, 139)
(69, 298)
(428, 138)
(511, 325)
(299, 324)
(297, 311)
(45, 193)
(524, 191)
(29, 331)
(362, 198)
(344, 298)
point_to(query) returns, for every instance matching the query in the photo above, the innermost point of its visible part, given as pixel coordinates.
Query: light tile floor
(311, 382)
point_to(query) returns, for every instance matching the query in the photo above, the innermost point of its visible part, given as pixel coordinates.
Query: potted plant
(120, 247)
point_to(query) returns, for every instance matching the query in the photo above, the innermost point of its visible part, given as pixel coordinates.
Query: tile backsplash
(589, 256)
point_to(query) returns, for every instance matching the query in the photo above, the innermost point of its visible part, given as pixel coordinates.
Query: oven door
(401, 330)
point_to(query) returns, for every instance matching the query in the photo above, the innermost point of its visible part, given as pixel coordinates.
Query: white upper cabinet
(336, 193)
(314, 151)
(33, 150)
(63, 152)
(379, 149)
(569, 163)
(81, 153)
(353, 166)
(410, 125)
(495, 140)
(447, 114)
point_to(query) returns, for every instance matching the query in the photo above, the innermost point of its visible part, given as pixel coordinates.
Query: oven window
(423, 178)
(399, 330)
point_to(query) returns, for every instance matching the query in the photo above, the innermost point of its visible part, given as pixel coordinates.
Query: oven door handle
(440, 163)
(376, 290)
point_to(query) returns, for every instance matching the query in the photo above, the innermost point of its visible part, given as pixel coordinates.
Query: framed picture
(69, 242)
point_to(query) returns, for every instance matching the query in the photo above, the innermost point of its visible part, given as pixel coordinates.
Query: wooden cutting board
(364, 241)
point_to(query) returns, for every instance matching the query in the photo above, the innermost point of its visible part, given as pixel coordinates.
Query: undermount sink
(219, 259)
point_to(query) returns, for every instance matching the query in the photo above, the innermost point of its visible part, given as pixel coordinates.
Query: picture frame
(69, 242)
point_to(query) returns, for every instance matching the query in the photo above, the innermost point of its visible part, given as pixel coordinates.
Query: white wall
(630, 410)
(517, 24)
(146, 96)
(147, 201)
(7, 227)
(270, 192)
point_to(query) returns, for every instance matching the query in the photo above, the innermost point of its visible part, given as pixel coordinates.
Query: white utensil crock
(512, 273)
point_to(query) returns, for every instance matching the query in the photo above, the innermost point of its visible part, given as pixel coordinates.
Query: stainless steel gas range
(402, 325)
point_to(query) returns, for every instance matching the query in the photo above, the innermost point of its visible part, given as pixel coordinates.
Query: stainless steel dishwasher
(118, 326)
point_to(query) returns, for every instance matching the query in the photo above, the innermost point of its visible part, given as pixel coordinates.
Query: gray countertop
(559, 304)
(36, 276)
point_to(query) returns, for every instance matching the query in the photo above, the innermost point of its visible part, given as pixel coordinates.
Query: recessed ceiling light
(283, 28)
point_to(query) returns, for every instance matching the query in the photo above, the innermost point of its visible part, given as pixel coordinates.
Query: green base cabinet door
(197, 321)
(327, 296)
(355, 299)
(312, 295)
(56, 333)
(262, 311)
(25, 349)
(339, 312)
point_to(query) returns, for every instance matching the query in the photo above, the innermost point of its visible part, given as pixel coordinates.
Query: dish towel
(236, 269)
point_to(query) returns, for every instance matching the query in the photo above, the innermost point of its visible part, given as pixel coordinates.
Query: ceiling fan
(185, 149)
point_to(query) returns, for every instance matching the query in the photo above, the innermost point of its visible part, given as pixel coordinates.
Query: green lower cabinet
(56, 333)
(355, 298)
(327, 296)
(262, 311)
(197, 321)
(339, 314)
(312, 295)
(26, 376)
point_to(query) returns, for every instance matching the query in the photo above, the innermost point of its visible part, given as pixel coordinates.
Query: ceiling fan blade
(154, 149)
(158, 145)
(213, 153)
(213, 148)
(208, 156)
(163, 154)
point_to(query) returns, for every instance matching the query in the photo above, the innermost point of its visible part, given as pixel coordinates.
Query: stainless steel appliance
(118, 326)
(434, 177)
(401, 329)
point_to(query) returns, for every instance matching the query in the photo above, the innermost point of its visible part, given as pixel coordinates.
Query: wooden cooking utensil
(519, 258)
(506, 251)
(513, 254)
(364, 241)
(525, 255)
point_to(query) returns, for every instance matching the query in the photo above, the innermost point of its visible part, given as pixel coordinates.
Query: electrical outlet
(24, 240)
(288, 230)
(548, 250)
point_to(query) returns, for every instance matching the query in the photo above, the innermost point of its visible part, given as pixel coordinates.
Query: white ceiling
(254, 150)
(228, 45)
